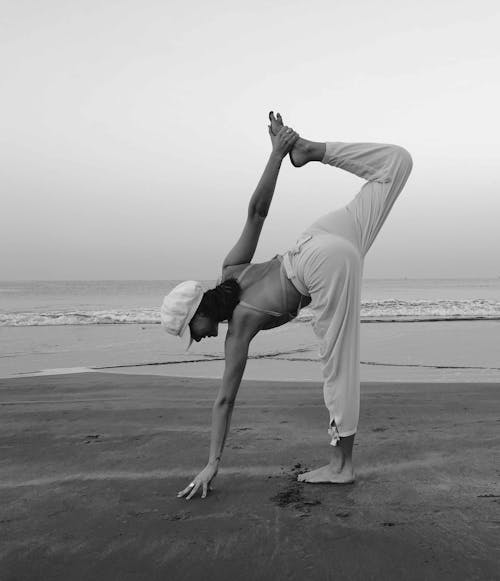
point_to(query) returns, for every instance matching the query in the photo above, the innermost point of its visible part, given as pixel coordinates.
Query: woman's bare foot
(329, 474)
(303, 151)
(339, 470)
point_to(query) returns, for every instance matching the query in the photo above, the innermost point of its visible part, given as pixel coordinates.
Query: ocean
(48, 325)
(35, 303)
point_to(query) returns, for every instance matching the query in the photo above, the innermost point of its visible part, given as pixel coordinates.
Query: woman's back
(266, 290)
(260, 284)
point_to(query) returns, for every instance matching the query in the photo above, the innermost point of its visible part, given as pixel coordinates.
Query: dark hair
(219, 303)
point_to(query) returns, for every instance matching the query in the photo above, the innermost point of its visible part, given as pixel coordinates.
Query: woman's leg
(331, 269)
(339, 470)
(386, 167)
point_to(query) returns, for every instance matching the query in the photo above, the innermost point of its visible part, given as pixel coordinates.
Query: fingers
(183, 492)
(286, 139)
(288, 135)
(285, 130)
(192, 486)
(193, 491)
(206, 488)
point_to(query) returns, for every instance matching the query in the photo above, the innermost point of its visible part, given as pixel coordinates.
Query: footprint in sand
(92, 438)
(343, 514)
(177, 516)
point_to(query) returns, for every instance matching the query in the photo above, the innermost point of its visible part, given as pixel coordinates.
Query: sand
(91, 464)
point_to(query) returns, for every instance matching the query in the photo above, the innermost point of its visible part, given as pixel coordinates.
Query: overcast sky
(133, 133)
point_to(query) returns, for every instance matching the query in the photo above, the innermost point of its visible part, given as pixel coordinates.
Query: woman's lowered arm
(236, 354)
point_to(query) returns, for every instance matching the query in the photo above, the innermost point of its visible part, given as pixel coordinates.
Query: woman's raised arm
(282, 143)
(260, 202)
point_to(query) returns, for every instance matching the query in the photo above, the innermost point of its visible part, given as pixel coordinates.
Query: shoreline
(389, 352)
(442, 376)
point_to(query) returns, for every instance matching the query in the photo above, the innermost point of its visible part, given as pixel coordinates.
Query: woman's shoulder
(237, 270)
(234, 270)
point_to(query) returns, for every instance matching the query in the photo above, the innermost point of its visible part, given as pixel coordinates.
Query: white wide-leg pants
(327, 264)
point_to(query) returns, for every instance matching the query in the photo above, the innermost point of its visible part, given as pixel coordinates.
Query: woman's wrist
(278, 157)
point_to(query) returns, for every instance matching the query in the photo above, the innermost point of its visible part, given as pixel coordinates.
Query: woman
(324, 268)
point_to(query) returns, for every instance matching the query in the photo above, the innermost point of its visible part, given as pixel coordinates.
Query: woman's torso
(264, 288)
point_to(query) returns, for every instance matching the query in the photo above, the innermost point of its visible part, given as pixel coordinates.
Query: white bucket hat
(179, 307)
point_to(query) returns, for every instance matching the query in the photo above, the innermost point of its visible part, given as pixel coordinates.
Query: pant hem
(336, 437)
(345, 434)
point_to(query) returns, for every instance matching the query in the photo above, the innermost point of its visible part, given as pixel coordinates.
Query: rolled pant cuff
(334, 433)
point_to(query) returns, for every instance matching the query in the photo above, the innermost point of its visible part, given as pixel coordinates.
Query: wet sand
(91, 464)
(462, 351)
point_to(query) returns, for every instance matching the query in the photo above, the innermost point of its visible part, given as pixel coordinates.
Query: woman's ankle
(314, 150)
(305, 151)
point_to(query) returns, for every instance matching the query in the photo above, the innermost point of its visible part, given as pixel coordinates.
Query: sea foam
(384, 311)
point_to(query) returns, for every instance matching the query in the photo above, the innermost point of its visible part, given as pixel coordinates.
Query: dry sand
(91, 464)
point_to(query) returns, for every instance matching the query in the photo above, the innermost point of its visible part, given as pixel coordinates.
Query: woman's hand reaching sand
(203, 480)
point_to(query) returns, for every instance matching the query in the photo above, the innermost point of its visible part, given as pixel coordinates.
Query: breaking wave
(380, 311)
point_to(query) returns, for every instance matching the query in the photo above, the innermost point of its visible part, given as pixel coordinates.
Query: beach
(417, 351)
(105, 417)
(411, 330)
(149, 144)
(92, 463)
